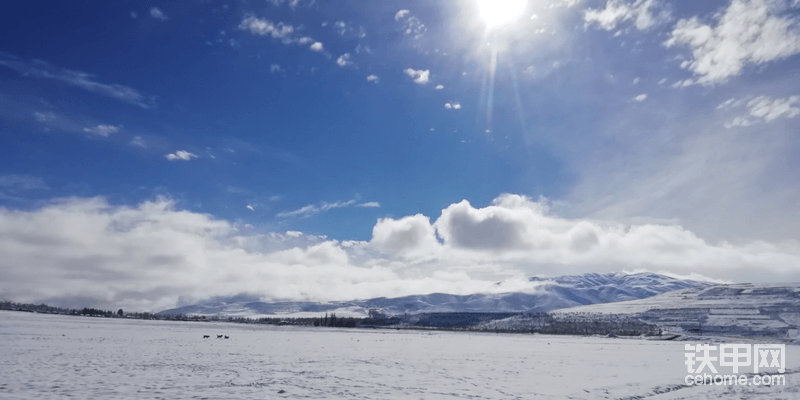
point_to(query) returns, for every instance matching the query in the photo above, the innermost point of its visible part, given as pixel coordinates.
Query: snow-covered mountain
(554, 293)
(769, 310)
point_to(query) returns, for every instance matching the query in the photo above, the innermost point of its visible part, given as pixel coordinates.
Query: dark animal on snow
(219, 336)
(206, 336)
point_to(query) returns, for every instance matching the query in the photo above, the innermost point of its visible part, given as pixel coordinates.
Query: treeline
(573, 324)
(545, 323)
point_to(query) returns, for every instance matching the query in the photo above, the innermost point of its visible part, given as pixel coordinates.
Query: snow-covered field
(51, 356)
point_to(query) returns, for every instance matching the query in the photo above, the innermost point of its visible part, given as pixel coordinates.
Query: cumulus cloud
(515, 230)
(762, 109)
(43, 70)
(265, 27)
(748, 32)
(372, 78)
(180, 155)
(158, 14)
(287, 34)
(410, 25)
(452, 105)
(439, 87)
(408, 236)
(344, 60)
(154, 256)
(102, 130)
(420, 76)
(642, 12)
(641, 97)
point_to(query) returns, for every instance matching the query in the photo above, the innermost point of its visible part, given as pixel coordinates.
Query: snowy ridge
(769, 310)
(554, 293)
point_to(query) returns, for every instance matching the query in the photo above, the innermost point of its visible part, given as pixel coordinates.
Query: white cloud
(617, 11)
(274, 68)
(158, 14)
(748, 32)
(439, 87)
(372, 78)
(317, 46)
(409, 236)
(641, 97)
(103, 130)
(312, 209)
(265, 27)
(41, 69)
(180, 155)
(344, 60)
(369, 204)
(138, 141)
(250, 207)
(44, 117)
(411, 25)
(420, 76)
(515, 230)
(153, 256)
(762, 109)
(452, 105)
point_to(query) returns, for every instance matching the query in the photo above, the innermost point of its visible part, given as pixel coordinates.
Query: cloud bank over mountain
(154, 255)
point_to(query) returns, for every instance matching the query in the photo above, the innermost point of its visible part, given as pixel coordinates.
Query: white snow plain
(52, 356)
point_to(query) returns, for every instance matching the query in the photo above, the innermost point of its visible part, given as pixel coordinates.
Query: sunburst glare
(499, 13)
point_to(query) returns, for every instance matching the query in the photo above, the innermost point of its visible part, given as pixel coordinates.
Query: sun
(498, 13)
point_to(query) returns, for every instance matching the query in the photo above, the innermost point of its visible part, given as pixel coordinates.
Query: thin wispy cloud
(372, 78)
(158, 14)
(22, 182)
(313, 209)
(43, 70)
(761, 109)
(180, 155)
(102, 130)
(138, 141)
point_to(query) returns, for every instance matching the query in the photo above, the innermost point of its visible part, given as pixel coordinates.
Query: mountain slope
(770, 310)
(555, 293)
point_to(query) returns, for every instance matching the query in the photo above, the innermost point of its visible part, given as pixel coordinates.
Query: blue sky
(357, 129)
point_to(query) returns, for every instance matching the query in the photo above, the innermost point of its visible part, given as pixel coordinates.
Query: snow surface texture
(749, 310)
(53, 357)
(559, 292)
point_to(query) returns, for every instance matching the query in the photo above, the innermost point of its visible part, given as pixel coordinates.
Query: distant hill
(555, 293)
(747, 310)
